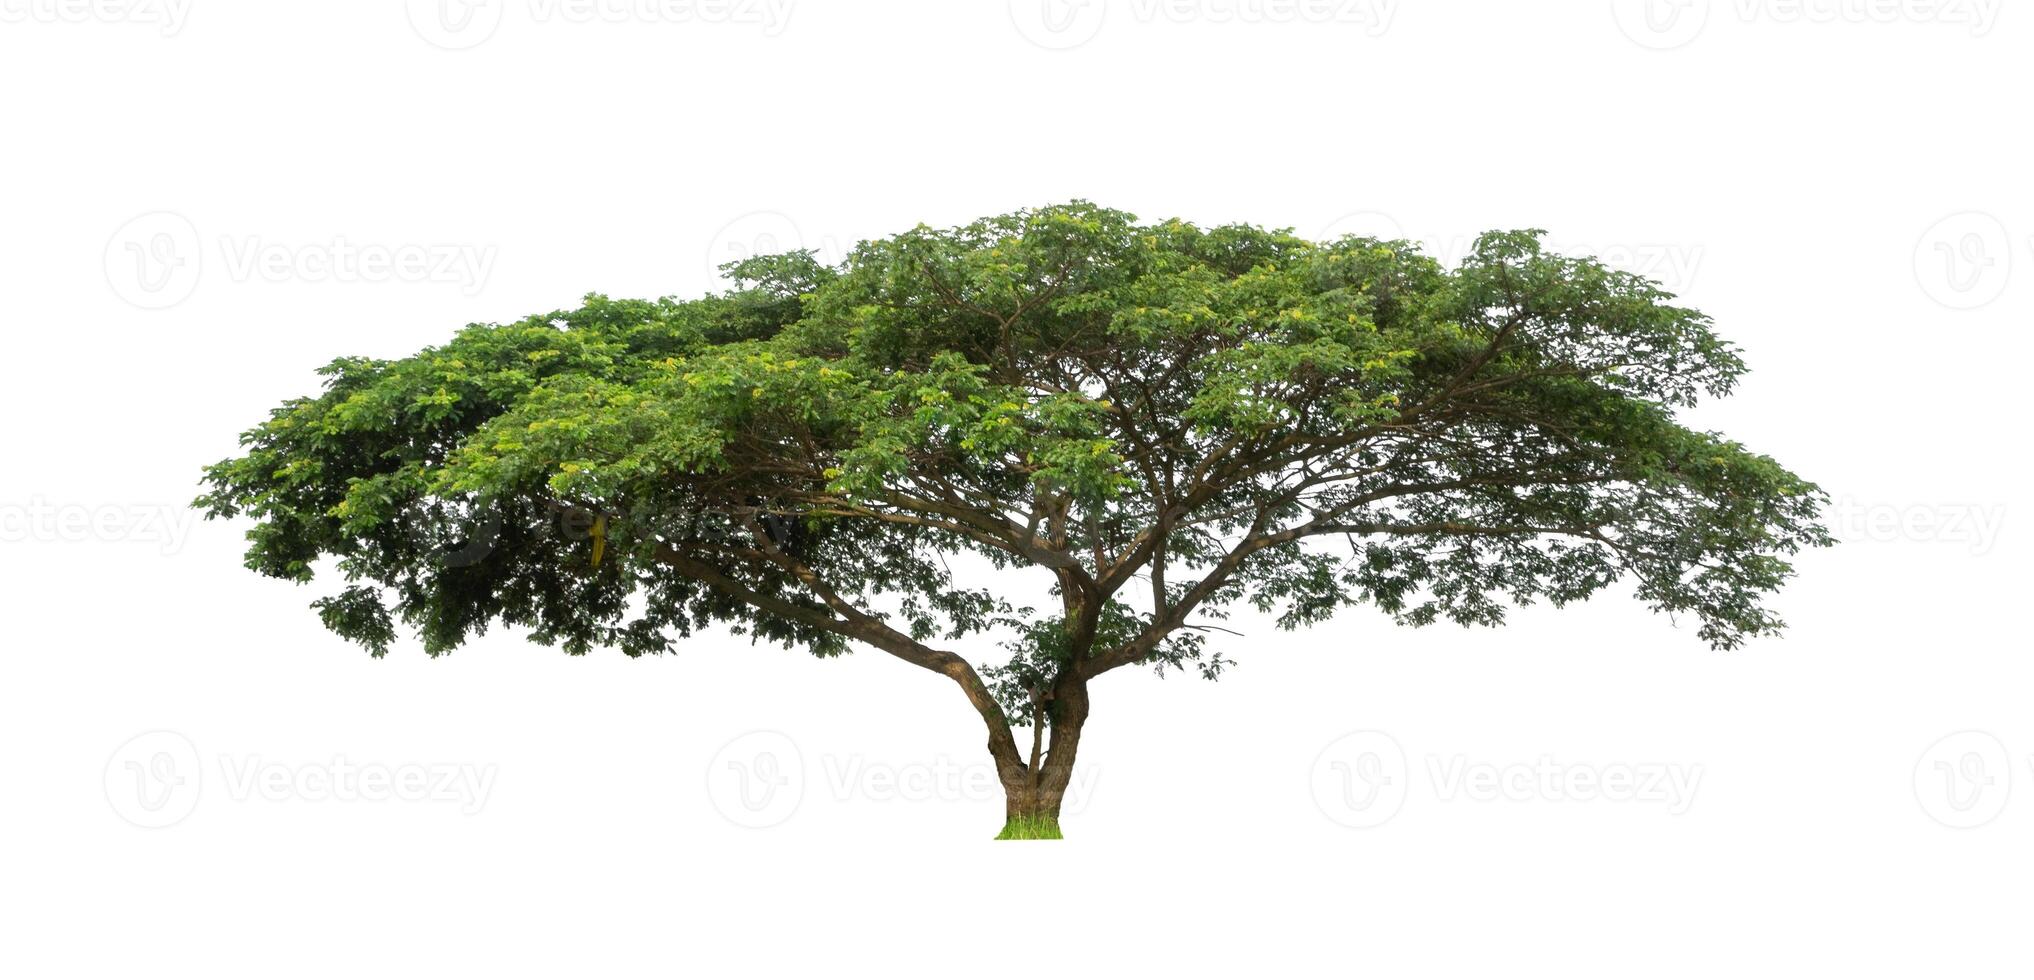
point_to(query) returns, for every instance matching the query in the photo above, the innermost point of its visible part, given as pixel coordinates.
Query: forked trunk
(1026, 816)
(1032, 801)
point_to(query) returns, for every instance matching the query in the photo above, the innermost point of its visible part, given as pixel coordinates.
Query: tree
(1156, 422)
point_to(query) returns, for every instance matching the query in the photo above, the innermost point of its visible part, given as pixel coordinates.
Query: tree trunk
(1031, 802)
(1028, 817)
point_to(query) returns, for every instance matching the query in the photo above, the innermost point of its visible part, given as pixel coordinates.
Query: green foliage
(1169, 420)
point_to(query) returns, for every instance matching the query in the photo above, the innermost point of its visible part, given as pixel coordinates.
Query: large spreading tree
(1158, 421)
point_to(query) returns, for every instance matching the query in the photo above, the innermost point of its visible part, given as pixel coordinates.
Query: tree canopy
(1169, 420)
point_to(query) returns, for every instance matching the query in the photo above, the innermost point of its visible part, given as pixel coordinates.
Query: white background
(1797, 173)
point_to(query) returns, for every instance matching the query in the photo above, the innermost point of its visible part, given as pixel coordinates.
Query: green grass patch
(1032, 827)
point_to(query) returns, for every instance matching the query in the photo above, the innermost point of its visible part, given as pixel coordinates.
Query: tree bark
(1031, 802)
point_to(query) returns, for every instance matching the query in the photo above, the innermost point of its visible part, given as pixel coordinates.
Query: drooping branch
(856, 624)
(1175, 618)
